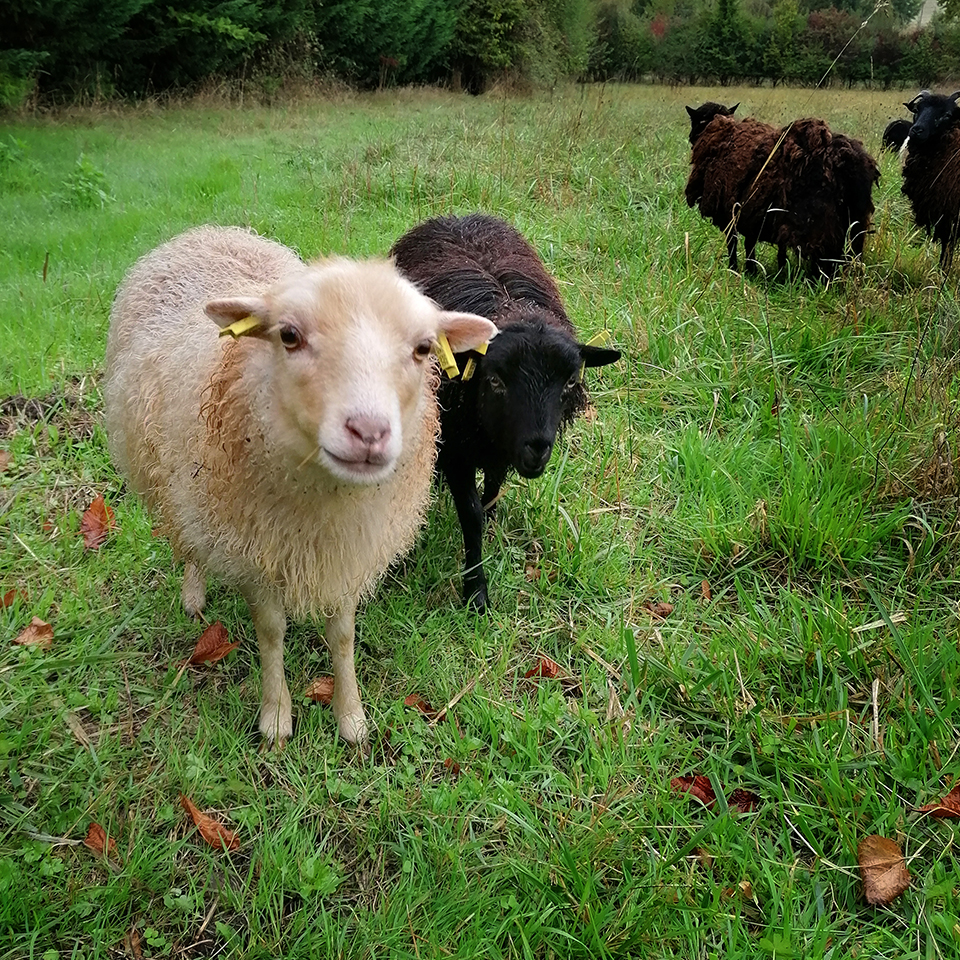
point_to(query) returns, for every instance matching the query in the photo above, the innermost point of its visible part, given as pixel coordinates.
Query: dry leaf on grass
(96, 523)
(697, 786)
(947, 807)
(38, 633)
(10, 596)
(882, 869)
(705, 590)
(546, 668)
(416, 701)
(6, 458)
(659, 609)
(700, 787)
(132, 942)
(214, 832)
(452, 767)
(743, 801)
(214, 644)
(97, 841)
(321, 690)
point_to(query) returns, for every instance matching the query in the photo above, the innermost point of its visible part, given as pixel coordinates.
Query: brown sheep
(801, 187)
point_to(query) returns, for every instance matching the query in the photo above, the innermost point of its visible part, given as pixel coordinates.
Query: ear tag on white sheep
(445, 355)
(240, 327)
(602, 336)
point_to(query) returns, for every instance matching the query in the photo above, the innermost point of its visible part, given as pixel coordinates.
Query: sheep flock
(284, 421)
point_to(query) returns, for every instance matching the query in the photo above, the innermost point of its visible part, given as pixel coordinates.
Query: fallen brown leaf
(416, 701)
(948, 806)
(697, 786)
(96, 840)
(705, 590)
(321, 690)
(452, 767)
(882, 869)
(214, 832)
(133, 944)
(213, 645)
(659, 609)
(37, 633)
(12, 595)
(743, 800)
(546, 668)
(6, 458)
(96, 523)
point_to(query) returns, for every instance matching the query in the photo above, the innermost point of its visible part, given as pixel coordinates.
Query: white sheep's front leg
(266, 608)
(347, 707)
(193, 593)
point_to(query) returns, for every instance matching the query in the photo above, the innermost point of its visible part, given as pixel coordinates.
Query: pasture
(773, 459)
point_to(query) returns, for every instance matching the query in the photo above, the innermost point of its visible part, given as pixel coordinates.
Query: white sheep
(294, 463)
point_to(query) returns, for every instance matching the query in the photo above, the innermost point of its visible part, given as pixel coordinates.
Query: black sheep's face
(530, 386)
(702, 115)
(932, 114)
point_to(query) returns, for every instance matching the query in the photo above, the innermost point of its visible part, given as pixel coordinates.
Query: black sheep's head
(933, 113)
(529, 386)
(702, 115)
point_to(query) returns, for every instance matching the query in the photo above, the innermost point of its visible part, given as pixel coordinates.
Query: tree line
(68, 49)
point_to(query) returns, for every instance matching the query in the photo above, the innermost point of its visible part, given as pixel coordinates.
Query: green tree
(781, 57)
(725, 47)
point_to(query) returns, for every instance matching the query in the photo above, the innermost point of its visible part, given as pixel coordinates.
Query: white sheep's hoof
(354, 728)
(276, 723)
(193, 593)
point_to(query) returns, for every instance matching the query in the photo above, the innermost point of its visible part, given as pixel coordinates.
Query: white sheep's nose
(372, 432)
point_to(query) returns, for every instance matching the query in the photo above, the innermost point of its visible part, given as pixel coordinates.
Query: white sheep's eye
(290, 337)
(422, 350)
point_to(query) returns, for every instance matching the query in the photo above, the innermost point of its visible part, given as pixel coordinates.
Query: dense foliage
(77, 48)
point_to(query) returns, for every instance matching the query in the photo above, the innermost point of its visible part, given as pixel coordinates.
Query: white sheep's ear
(465, 331)
(239, 316)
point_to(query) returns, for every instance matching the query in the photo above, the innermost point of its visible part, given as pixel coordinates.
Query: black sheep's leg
(463, 487)
(781, 257)
(732, 239)
(492, 482)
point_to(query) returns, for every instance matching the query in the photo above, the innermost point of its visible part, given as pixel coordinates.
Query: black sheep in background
(523, 391)
(931, 172)
(802, 186)
(894, 133)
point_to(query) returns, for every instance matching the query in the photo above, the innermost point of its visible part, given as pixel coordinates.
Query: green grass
(790, 444)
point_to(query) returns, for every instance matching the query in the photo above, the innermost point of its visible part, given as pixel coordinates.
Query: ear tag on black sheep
(603, 336)
(445, 355)
(471, 365)
(240, 327)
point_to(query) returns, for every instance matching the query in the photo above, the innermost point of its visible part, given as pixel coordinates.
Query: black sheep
(894, 133)
(931, 173)
(801, 187)
(523, 391)
(702, 115)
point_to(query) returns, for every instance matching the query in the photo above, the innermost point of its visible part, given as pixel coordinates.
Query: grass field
(775, 459)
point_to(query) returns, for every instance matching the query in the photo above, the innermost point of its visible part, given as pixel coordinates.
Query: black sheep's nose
(534, 456)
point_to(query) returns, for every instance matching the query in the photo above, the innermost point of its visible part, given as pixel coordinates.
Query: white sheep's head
(342, 353)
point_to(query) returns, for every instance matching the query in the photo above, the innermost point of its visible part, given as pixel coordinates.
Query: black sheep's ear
(598, 356)
(733, 109)
(691, 111)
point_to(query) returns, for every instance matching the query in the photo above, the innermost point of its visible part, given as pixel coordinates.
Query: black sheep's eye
(572, 382)
(290, 337)
(496, 384)
(422, 350)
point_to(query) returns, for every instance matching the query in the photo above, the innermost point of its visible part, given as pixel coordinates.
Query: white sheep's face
(346, 353)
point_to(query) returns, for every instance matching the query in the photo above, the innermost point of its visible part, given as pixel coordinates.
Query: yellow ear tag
(442, 349)
(240, 327)
(469, 367)
(482, 349)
